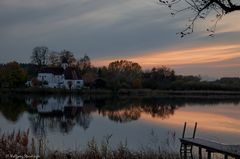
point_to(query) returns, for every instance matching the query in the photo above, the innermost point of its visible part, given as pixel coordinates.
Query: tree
(124, 73)
(31, 69)
(67, 56)
(102, 72)
(162, 73)
(159, 78)
(124, 67)
(12, 75)
(40, 55)
(54, 59)
(84, 64)
(99, 83)
(89, 78)
(201, 9)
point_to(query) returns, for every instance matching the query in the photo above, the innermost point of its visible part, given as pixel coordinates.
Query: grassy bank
(54, 91)
(19, 144)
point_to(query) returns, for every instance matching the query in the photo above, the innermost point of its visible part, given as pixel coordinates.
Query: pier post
(185, 151)
(225, 156)
(194, 131)
(209, 154)
(184, 129)
(200, 152)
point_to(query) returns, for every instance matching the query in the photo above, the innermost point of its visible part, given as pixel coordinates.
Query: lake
(69, 122)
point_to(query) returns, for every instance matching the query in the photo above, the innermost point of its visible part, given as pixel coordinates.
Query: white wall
(53, 80)
(56, 81)
(76, 84)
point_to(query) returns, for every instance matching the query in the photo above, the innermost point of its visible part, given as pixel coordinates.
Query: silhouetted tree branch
(201, 9)
(39, 55)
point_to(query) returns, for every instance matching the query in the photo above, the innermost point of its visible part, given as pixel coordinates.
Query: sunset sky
(139, 30)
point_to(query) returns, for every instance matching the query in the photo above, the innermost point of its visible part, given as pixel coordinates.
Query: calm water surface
(69, 122)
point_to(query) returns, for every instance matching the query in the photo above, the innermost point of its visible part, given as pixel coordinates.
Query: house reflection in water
(62, 113)
(58, 113)
(68, 106)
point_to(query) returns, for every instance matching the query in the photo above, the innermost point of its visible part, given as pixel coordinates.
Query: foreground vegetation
(20, 145)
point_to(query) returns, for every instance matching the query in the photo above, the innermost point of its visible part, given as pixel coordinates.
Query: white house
(52, 104)
(60, 77)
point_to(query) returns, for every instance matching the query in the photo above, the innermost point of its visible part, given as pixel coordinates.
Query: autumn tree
(40, 55)
(124, 73)
(12, 75)
(201, 9)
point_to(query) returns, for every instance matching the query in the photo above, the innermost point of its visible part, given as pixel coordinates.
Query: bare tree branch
(201, 9)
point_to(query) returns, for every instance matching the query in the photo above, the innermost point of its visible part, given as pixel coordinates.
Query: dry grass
(19, 144)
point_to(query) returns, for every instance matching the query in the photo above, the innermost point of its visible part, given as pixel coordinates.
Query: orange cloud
(200, 55)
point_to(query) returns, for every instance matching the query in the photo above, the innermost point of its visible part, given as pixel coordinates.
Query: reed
(20, 144)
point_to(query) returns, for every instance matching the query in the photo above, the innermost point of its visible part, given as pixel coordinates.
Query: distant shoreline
(124, 92)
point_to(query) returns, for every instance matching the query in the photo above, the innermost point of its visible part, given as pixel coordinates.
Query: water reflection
(61, 114)
(75, 109)
(12, 107)
(57, 114)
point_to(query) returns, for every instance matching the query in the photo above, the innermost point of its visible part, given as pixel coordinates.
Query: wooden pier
(210, 147)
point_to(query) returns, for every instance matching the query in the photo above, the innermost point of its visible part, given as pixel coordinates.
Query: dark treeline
(117, 75)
